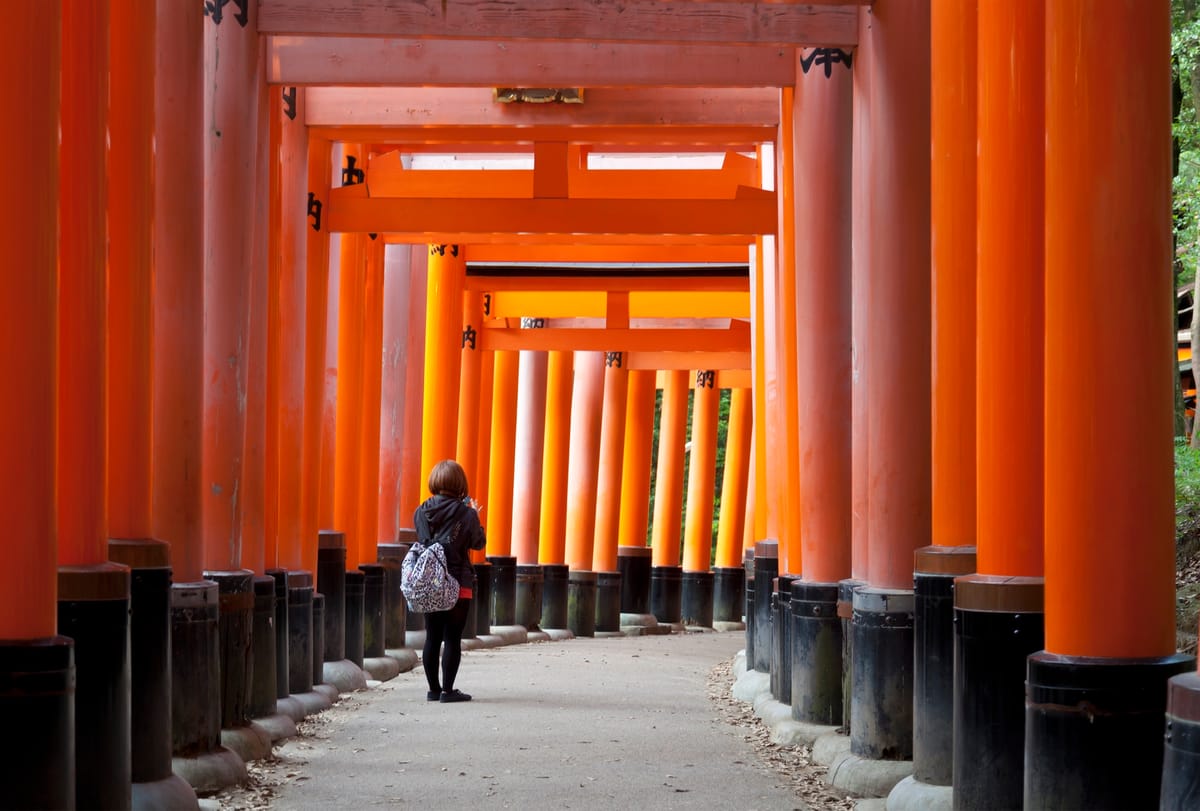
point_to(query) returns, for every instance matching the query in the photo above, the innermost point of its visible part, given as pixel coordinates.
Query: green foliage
(1187, 487)
(1185, 69)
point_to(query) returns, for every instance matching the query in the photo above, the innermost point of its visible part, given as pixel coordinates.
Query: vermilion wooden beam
(717, 361)
(618, 340)
(520, 240)
(724, 254)
(553, 303)
(617, 281)
(747, 23)
(671, 137)
(474, 106)
(367, 61)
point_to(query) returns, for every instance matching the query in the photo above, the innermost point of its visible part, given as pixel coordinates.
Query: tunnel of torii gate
(252, 299)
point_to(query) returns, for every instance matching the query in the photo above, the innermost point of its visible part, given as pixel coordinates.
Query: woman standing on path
(449, 508)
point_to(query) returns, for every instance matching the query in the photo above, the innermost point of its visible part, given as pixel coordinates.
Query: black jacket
(438, 512)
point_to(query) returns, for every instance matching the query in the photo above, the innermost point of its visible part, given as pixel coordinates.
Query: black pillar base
(355, 585)
(554, 595)
(234, 627)
(781, 638)
(331, 581)
(149, 654)
(749, 607)
(282, 657)
(483, 598)
(263, 682)
(766, 569)
(698, 599)
(318, 639)
(529, 595)
(608, 602)
(391, 555)
(933, 674)
(633, 562)
(845, 612)
(581, 603)
(816, 653)
(504, 589)
(881, 721)
(998, 623)
(93, 610)
(1181, 757)
(300, 632)
(405, 538)
(1094, 730)
(374, 609)
(666, 593)
(37, 702)
(729, 594)
(195, 669)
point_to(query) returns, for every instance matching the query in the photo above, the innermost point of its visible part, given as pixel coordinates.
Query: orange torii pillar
(666, 535)
(952, 229)
(697, 586)
(394, 362)
(285, 358)
(605, 536)
(633, 553)
(130, 394)
(412, 478)
(552, 526)
(305, 610)
(729, 572)
(820, 145)
(93, 594)
(366, 641)
(895, 187)
(998, 612)
(500, 486)
(587, 397)
(231, 118)
(1096, 694)
(43, 706)
(526, 594)
(480, 485)
(467, 444)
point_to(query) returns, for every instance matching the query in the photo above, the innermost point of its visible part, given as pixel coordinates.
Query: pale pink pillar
(608, 482)
(396, 288)
(587, 397)
(527, 455)
(555, 457)
(411, 477)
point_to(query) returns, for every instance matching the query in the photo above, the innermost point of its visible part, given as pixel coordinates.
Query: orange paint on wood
(29, 49)
(470, 363)
(130, 223)
(529, 443)
(552, 528)
(665, 534)
(443, 345)
(606, 535)
(582, 252)
(479, 482)
(758, 528)
(412, 478)
(661, 136)
(635, 473)
(500, 464)
(793, 496)
(587, 399)
(349, 416)
(372, 382)
(702, 468)
(392, 396)
(735, 506)
(82, 295)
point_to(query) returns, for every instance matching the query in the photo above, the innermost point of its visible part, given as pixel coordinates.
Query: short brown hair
(448, 479)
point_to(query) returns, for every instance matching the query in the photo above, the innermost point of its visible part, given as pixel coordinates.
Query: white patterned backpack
(425, 579)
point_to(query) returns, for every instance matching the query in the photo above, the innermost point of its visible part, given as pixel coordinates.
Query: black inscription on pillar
(216, 10)
(289, 102)
(314, 211)
(352, 175)
(440, 250)
(706, 379)
(532, 323)
(487, 303)
(373, 236)
(614, 359)
(469, 336)
(826, 58)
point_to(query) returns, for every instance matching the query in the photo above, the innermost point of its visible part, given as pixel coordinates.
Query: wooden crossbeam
(831, 22)
(648, 281)
(679, 341)
(598, 304)
(607, 253)
(487, 138)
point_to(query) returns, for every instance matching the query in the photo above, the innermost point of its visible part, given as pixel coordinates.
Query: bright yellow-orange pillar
(641, 392)
(480, 483)
(608, 477)
(391, 440)
(316, 298)
(587, 397)
(734, 506)
(528, 445)
(766, 394)
(697, 539)
(1109, 552)
(791, 497)
(443, 344)
(552, 529)
(412, 478)
(470, 403)
(668, 488)
(500, 466)
(372, 381)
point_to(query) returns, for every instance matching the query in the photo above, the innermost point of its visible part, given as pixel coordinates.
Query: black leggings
(444, 626)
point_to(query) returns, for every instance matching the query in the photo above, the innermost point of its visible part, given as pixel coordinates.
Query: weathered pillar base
(171, 792)
(1181, 757)
(528, 595)
(881, 719)
(697, 609)
(1094, 730)
(250, 741)
(353, 608)
(331, 582)
(766, 569)
(749, 607)
(816, 654)
(504, 589)
(391, 556)
(282, 657)
(344, 676)
(781, 638)
(998, 623)
(666, 593)
(608, 603)
(38, 677)
(845, 612)
(633, 562)
(374, 610)
(555, 577)
(318, 659)
(483, 598)
(300, 632)
(263, 681)
(581, 603)
(93, 610)
(211, 771)
(729, 595)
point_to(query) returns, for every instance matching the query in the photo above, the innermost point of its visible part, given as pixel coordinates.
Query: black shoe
(450, 696)
(433, 695)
